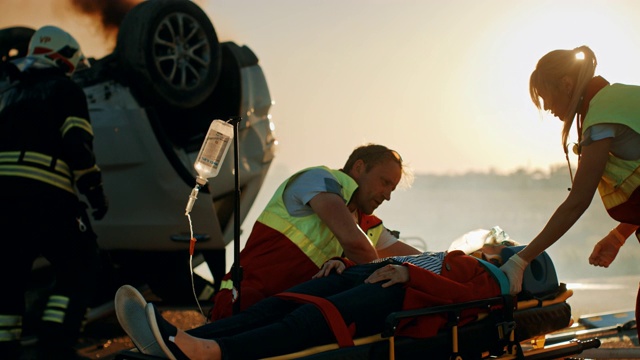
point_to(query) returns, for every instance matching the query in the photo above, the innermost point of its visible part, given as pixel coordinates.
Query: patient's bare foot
(177, 344)
(196, 348)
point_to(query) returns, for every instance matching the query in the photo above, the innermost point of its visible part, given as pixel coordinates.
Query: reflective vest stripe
(616, 104)
(37, 174)
(56, 308)
(226, 284)
(316, 254)
(10, 327)
(10, 334)
(76, 122)
(373, 233)
(309, 233)
(51, 315)
(11, 164)
(58, 301)
(615, 192)
(35, 157)
(10, 320)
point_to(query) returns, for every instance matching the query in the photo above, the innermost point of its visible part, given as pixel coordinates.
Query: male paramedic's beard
(373, 205)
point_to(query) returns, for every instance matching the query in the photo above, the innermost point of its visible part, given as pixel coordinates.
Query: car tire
(14, 42)
(169, 53)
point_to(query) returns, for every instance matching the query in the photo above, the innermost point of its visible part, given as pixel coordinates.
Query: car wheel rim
(181, 51)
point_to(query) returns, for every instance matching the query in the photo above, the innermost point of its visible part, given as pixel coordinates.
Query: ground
(104, 339)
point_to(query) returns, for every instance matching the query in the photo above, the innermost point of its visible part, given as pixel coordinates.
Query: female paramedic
(354, 298)
(608, 124)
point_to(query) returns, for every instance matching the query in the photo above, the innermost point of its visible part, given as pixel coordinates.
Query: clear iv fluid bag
(213, 150)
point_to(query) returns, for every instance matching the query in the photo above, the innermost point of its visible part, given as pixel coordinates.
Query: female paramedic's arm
(606, 249)
(590, 168)
(332, 211)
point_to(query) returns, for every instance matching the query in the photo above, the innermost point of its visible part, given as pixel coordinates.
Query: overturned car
(151, 102)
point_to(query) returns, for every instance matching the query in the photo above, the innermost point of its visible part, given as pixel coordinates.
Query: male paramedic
(315, 215)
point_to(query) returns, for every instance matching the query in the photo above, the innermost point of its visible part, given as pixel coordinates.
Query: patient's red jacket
(463, 278)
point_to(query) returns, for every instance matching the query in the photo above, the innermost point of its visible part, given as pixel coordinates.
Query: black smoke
(108, 13)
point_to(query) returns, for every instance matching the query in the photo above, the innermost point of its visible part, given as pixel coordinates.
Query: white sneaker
(130, 310)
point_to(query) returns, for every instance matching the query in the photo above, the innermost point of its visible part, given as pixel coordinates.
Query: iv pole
(236, 269)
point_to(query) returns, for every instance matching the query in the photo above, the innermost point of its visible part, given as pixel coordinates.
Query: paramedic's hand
(514, 269)
(396, 274)
(606, 250)
(328, 267)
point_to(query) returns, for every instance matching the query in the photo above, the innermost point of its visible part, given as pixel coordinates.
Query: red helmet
(56, 47)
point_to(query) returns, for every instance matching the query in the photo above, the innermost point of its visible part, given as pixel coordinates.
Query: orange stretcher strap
(562, 297)
(343, 334)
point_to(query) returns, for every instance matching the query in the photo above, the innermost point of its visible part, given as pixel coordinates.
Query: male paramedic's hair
(374, 154)
(579, 64)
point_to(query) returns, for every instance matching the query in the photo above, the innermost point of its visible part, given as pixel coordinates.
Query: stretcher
(505, 328)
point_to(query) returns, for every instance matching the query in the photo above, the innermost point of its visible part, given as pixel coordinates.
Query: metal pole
(236, 271)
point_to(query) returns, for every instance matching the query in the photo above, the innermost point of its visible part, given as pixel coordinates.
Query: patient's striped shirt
(428, 260)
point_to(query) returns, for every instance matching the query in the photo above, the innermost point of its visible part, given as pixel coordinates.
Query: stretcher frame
(500, 333)
(501, 328)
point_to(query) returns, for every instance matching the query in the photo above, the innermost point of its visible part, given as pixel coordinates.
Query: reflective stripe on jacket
(618, 104)
(45, 135)
(309, 232)
(36, 166)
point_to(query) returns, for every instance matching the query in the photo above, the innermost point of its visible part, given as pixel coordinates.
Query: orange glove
(606, 249)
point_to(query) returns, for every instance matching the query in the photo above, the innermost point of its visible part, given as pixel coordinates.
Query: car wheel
(170, 52)
(14, 42)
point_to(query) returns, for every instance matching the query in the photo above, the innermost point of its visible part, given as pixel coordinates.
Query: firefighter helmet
(56, 47)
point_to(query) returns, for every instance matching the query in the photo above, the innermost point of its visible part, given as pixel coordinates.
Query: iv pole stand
(236, 269)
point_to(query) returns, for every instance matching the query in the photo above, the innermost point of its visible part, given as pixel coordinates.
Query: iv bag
(213, 150)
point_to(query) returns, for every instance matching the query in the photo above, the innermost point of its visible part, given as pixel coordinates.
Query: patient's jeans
(275, 326)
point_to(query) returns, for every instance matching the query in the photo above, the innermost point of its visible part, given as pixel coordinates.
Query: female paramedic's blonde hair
(579, 64)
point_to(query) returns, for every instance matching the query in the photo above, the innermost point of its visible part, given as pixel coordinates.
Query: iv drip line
(192, 244)
(207, 165)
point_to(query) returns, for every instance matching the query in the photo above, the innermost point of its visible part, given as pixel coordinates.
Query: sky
(445, 83)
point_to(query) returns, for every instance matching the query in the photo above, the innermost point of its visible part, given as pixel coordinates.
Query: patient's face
(490, 253)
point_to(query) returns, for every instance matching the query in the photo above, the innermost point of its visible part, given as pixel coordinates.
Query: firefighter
(46, 157)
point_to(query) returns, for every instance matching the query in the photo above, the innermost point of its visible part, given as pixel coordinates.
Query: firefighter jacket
(45, 137)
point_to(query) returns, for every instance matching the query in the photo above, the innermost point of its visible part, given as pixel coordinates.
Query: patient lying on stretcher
(359, 299)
